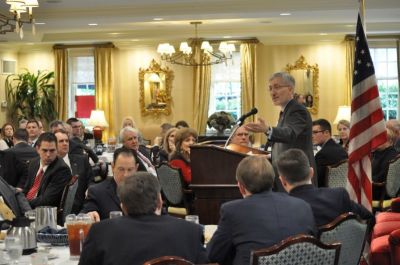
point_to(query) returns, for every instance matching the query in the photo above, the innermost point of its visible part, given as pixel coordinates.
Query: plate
(52, 256)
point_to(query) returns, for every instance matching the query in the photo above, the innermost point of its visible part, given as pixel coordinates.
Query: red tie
(34, 189)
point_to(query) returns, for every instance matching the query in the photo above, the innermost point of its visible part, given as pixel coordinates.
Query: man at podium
(294, 128)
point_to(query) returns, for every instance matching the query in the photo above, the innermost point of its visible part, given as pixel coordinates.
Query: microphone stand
(234, 129)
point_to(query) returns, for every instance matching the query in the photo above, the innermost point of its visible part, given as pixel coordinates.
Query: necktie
(35, 187)
(280, 116)
(149, 166)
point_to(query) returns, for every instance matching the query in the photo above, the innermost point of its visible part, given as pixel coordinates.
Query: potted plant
(31, 95)
(220, 121)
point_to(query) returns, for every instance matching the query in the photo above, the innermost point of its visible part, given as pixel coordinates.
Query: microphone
(245, 116)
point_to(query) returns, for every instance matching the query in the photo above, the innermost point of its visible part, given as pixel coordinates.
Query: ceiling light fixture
(16, 21)
(186, 54)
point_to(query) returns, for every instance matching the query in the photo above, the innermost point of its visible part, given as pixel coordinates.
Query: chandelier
(15, 21)
(197, 52)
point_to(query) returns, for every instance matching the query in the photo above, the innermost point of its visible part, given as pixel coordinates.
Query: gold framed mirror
(155, 89)
(306, 77)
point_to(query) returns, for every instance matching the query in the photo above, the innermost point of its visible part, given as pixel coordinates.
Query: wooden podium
(213, 177)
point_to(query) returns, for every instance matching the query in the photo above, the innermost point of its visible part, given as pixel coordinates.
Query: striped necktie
(149, 166)
(35, 187)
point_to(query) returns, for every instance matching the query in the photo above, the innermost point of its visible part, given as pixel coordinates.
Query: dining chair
(390, 187)
(351, 232)
(177, 198)
(67, 199)
(336, 176)
(300, 249)
(168, 260)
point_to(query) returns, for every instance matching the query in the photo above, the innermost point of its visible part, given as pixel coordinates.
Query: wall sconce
(98, 121)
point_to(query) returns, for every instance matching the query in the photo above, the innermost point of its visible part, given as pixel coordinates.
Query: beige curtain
(104, 86)
(61, 82)
(201, 95)
(248, 76)
(350, 46)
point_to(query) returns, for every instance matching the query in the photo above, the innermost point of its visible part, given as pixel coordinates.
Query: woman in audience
(128, 121)
(7, 132)
(180, 158)
(168, 146)
(160, 138)
(380, 162)
(344, 132)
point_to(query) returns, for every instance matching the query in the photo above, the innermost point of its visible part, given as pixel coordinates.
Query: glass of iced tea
(77, 227)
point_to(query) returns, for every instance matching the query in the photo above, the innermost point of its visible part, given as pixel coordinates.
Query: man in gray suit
(294, 128)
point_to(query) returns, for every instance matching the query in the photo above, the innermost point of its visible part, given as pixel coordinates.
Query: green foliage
(31, 96)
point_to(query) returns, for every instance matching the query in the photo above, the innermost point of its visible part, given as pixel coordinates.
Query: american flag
(367, 129)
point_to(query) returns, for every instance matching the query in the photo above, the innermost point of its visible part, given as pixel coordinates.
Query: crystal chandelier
(196, 53)
(15, 22)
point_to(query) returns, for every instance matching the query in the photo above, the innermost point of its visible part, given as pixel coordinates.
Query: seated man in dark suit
(47, 174)
(330, 152)
(80, 167)
(16, 160)
(295, 174)
(130, 139)
(102, 197)
(142, 234)
(75, 144)
(262, 219)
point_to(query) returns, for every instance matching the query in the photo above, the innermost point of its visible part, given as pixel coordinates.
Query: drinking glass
(77, 228)
(115, 214)
(192, 218)
(14, 248)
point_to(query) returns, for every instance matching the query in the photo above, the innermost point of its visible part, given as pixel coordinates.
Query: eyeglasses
(277, 87)
(315, 132)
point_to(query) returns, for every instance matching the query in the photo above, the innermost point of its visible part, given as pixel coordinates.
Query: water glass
(115, 214)
(14, 248)
(192, 218)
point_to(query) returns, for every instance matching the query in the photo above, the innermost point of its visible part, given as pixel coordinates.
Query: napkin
(50, 230)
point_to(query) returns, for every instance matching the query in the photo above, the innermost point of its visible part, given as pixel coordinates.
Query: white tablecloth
(61, 254)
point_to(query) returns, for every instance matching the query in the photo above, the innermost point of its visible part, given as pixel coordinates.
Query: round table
(59, 255)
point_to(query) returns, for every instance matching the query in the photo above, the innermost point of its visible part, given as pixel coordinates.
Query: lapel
(32, 173)
(285, 111)
(112, 191)
(74, 165)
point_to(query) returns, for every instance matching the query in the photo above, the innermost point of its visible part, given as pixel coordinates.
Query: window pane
(81, 83)
(385, 62)
(225, 94)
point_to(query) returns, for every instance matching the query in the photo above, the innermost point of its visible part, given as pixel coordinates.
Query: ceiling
(132, 21)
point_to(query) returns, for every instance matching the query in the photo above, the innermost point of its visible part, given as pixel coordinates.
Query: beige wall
(127, 61)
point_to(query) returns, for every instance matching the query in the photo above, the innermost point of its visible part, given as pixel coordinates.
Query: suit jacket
(16, 161)
(16, 201)
(134, 240)
(329, 203)
(80, 167)
(55, 178)
(11, 168)
(76, 146)
(258, 221)
(102, 198)
(330, 154)
(294, 130)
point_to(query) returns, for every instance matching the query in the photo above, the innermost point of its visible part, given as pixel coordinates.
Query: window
(385, 63)
(225, 93)
(81, 83)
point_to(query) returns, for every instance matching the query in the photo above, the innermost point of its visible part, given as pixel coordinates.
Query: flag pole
(362, 14)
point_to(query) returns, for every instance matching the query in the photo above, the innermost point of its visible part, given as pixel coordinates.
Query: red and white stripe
(367, 132)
